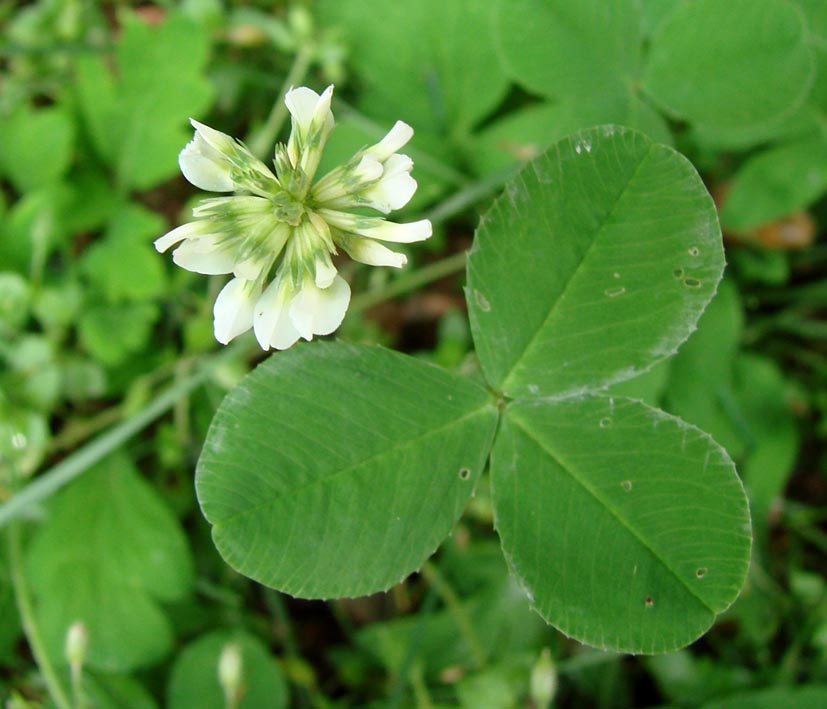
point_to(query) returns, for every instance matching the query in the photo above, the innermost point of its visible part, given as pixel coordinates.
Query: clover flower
(278, 232)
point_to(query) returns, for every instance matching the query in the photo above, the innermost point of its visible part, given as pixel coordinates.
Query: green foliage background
(99, 335)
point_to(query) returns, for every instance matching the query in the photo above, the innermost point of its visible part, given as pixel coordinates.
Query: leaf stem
(263, 138)
(455, 607)
(410, 281)
(70, 467)
(27, 616)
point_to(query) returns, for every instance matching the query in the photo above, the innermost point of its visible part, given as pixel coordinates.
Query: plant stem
(262, 140)
(428, 605)
(27, 616)
(69, 468)
(457, 610)
(410, 281)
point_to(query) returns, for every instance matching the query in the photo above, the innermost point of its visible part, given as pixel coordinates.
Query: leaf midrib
(397, 446)
(621, 520)
(506, 380)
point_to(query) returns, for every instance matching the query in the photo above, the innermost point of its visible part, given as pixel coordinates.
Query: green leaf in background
(34, 228)
(123, 265)
(522, 135)
(801, 697)
(595, 264)
(628, 528)
(816, 13)
(193, 682)
(109, 691)
(565, 48)
(656, 11)
(10, 629)
(109, 554)
(773, 434)
(730, 65)
(443, 82)
(775, 183)
(110, 333)
(700, 385)
(335, 470)
(36, 146)
(138, 122)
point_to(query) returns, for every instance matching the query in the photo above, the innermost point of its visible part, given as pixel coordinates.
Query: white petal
(185, 231)
(233, 310)
(322, 112)
(398, 136)
(249, 268)
(217, 140)
(374, 254)
(390, 193)
(204, 166)
(319, 311)
(301, 102)
(271, 321)
(325, 270)
(196, 258)
(400, 233)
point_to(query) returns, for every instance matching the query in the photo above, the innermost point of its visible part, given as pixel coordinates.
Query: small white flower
(233, 309)
(278, 233)
(215, 162)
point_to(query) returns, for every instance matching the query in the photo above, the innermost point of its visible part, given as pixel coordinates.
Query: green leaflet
(595, 264)
(336, 470)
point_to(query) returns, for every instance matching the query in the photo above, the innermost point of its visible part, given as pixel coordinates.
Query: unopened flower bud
(543, 680)
(231, 673)
(77, 645)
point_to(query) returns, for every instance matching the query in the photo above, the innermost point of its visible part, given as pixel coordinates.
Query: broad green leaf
(628, 528)
(566, 48)
(443, 81)
(595, 264)
(656, 11)
(816, 13)
(775, 183)
(124, 552)
(36, 146)
(193, 682)
(123, 265)
(336, 470)
(138, 122)
(730, 65)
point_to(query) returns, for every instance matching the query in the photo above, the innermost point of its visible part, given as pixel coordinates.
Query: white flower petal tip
(233, 310)
(401, 233)
(319, 311)
(304, 104)
(203, 256)
(205, 166)
(374, 254)
(325, 272)
(185, 231)
(397, 136)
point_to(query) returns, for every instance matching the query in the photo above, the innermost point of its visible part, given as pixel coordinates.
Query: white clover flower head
(278, 231)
